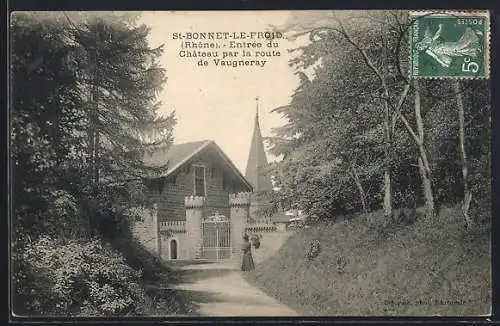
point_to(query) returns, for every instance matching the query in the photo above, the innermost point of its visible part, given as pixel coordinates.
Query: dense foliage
(361, 136)
(396, 170)
(83, 92)
(77, 276)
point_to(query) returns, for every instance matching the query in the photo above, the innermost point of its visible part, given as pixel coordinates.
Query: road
(220, 290)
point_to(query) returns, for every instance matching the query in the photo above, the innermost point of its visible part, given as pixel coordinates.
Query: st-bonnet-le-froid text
(226, 35)
(229, 49)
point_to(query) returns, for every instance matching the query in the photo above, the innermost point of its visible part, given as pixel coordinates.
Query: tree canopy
(360, 133)
(84, 109)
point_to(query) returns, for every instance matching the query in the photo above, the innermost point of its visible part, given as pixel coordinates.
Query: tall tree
(47, 124)
(378, 40)
(120, 78)
(334, 130)
(383, 70)
(95, 77)
(423, 160)
(82, 94)
(465, 169)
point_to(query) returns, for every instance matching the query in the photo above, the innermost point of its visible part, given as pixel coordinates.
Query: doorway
(173, 249)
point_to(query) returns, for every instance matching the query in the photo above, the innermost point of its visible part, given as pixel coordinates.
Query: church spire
(257, 111)
(257, 161)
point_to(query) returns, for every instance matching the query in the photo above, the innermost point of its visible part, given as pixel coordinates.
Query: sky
(219, 103)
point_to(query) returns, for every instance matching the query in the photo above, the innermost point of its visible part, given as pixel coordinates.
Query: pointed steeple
(257, 161)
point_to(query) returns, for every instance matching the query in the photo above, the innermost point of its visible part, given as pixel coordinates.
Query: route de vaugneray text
(229, 49)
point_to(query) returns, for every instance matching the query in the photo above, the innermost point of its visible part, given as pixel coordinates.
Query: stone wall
(194, 216)
(173, 230)
(182, 249)
(144, 228)
(240, 212)
(157, 236)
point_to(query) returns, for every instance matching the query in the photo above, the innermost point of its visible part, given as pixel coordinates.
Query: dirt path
(219, 290)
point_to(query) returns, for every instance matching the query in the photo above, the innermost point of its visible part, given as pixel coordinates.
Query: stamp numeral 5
(469, 66)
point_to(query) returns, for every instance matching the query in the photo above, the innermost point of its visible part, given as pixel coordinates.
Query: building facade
(203, 204)
(194, 169)
(195, 213)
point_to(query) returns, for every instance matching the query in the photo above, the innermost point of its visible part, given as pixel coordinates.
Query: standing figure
(247, 264)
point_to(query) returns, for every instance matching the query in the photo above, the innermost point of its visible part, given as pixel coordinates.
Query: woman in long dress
(247, 264)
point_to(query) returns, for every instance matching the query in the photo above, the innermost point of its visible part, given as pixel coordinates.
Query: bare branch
(397, 109)
(408, 127)
(366, 58)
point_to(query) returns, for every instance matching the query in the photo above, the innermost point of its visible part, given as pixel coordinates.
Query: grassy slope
(389, 270)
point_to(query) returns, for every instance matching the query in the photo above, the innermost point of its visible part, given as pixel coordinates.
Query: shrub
(76, 277)
(297, 225)
(314, 250)
(139, 257)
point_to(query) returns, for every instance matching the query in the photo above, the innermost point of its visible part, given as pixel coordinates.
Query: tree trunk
(427, 188)
(93, 107)
(96, 157)
(362, 195)
(387, 194)
(91, 136)
(465, 172)
(388, 158)
(423, 161)
(93, 139)
(388, 213)
(92, 113)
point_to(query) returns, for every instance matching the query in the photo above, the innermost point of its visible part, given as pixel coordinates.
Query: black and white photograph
(285, 163)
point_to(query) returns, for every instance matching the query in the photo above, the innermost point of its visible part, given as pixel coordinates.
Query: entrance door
(216, 238)
(173, 249)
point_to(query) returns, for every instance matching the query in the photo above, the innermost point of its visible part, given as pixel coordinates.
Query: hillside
(270, 244)
(365, 268)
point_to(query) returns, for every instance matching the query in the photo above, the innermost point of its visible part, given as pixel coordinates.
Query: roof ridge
(192, 142)
(178, 154)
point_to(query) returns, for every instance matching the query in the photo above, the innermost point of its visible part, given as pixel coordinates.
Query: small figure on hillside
(255, 239)
(247, 264)
(314, 250)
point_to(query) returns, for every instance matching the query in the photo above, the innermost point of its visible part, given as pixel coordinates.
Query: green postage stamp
(449, 44)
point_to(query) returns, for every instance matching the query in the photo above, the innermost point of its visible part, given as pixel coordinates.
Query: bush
(76, 277)
(313, 250)
(139, 257)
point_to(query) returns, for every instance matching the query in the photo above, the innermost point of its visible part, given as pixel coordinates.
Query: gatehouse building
(203, 204)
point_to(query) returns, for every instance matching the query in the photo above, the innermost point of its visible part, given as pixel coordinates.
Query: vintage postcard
(250, 163)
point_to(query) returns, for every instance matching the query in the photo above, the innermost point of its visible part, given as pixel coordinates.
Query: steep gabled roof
(257, 161)
(174, 155)
(179, 154)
